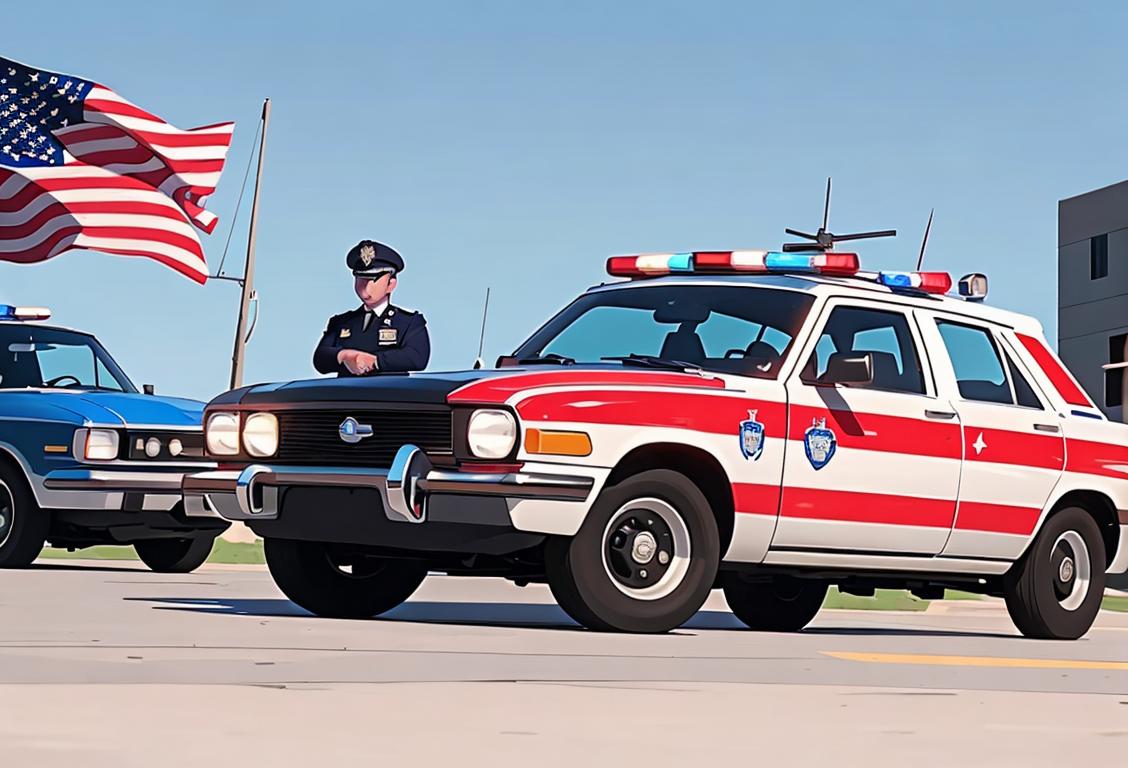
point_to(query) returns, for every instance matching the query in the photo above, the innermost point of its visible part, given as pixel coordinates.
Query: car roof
(32, 324)
(823, 286)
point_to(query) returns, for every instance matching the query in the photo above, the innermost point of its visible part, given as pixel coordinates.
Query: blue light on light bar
(897, 279)
(681, 262)
(793, 262)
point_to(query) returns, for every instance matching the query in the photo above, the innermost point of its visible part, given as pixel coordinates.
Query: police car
(85, 458)
(767, 423)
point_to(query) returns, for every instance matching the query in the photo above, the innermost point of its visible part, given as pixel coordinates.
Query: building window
(1114, 377)
(1098, 257)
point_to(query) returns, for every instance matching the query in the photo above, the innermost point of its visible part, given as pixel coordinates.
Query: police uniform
(397, 337)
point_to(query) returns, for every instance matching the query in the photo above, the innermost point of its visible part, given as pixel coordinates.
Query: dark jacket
(398, 338)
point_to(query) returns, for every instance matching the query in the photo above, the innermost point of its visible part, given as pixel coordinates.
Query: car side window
(1023, 392)
(978, 366)
(883, 334)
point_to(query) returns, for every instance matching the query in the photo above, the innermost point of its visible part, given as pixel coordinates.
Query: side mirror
(506, 361)
(849, 368)
(148, 389)
(973, 287)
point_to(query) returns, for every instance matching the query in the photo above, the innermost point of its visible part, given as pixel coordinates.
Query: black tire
(24, 527)
(1041, 602)
(781, 604)
(174, 555)
(580, 569)
(306, 573)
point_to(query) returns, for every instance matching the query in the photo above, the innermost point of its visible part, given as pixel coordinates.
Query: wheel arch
(11, 458)
(1100, 506)
(700, 466)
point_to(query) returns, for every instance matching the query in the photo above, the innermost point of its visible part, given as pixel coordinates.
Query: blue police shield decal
(751, 437)
(820, 443)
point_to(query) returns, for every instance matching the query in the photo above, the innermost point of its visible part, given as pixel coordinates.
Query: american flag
(81, 167)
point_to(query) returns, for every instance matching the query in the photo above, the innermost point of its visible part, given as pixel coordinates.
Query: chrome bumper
(253, 493)
(113, 481)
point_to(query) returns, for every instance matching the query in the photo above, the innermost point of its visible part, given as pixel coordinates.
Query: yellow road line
(976, 661)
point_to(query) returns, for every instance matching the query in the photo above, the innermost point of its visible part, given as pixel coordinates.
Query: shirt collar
(379, 309)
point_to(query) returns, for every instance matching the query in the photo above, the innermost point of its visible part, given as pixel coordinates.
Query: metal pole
(249, 268)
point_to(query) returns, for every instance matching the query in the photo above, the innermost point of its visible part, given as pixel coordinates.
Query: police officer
(377, 337)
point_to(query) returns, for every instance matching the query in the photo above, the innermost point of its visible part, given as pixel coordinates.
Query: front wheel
(1054, 591)
(174, 555)
(23, 525)
(778, 604)
(643, 561)
(315, 577)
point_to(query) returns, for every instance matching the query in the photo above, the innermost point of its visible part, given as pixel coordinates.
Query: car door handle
(1048, 428)
(940, 414)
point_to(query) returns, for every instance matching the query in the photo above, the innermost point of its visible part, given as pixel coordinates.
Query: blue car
(86, 459)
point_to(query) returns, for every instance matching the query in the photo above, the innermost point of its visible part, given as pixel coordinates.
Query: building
(1093, 292)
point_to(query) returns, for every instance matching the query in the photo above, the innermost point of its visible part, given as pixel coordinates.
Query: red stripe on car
(878, 432)
(501, 388)
(1019, 448)
(996, 518)
(1058, 376)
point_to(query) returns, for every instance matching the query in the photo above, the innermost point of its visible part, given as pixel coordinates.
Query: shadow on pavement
(508, 615)
(85, 567)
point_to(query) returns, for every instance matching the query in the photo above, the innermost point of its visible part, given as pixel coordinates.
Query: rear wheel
(314, 577)
(1054, 592)
(643, 561)
(781, 604)
(23, 525)
(174, 555)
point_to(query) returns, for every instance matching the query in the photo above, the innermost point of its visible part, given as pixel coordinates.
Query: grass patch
(226, 552)
(888, 600)
(1115, 604)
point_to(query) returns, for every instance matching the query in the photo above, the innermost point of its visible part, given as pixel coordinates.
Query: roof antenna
(824, 240)
(482, 338)
(924, 242)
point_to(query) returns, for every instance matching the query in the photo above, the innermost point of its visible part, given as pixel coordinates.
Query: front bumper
(271, 498)
(108, 488)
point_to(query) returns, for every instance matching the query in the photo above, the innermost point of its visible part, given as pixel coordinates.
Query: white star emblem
(979, 444)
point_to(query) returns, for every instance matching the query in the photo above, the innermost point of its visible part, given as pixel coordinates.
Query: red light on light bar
(935, 282)
(842, 264)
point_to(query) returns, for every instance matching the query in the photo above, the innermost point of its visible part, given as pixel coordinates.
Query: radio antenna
(924, 242)
(482, 337)
(824, 240)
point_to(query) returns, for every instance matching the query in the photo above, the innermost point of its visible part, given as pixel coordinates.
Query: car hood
(118, 408)
(475, 386)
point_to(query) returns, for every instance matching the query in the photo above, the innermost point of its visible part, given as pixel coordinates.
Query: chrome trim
(148, 427)
(404, 488)
(101, 480)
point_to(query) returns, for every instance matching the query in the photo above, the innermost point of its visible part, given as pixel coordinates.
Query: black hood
(384, 388)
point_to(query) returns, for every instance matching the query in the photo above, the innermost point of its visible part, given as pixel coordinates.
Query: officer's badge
(820, 443)
(367, 254)
(388, 335)
(345, 333)
(751, 437)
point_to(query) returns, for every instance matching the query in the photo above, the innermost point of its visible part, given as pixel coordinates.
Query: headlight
(491, 434)
(222, 434)
(260, 434)
(96, 444)
(153, 447)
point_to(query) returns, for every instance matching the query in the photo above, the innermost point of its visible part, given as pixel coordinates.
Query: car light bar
(8, 312)
(929, 282)
(731, 262)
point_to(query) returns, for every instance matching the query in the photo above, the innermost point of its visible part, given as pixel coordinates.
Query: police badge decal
(751, 437)
(820, 443)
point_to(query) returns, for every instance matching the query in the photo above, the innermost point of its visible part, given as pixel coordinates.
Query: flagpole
(249, 268)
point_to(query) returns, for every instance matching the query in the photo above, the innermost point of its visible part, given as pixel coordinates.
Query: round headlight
(491, 434)
(222, 434)
(175, 447)
(260, 434)
(152, 447)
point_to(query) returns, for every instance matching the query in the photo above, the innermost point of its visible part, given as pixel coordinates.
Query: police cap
(371, 259)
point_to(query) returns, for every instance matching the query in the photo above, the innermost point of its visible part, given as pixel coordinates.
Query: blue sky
(517, 144)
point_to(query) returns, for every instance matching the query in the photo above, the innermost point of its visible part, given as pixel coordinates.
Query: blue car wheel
(23, 525)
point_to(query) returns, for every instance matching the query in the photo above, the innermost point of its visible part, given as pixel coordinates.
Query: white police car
(85, 458)
(767, 423)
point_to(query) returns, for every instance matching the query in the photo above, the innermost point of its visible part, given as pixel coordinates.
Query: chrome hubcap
(646, 549)
(1072, 570)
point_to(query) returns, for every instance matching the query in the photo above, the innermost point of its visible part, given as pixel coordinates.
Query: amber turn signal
(544, 441)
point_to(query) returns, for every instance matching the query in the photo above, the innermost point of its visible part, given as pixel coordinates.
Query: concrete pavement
(111, 665)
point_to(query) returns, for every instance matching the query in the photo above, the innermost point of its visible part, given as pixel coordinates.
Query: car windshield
(736, 329)
(34, 357)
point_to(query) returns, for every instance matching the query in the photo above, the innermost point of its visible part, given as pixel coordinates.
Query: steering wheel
(55, 381)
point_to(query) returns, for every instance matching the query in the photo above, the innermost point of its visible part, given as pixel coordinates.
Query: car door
(1013, 445)
(874, 466)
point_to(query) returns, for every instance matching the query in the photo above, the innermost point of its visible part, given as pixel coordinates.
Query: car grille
(313, 437)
